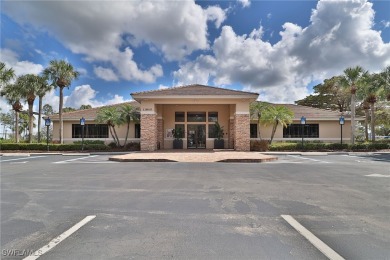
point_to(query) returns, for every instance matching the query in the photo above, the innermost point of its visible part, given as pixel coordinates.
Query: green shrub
(96, 147)
(112, 145)
(133, 146)
(283, 147)
(259, 145)
(89, 142)
(336, 146)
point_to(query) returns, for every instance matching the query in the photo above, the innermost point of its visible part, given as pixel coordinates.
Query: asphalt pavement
(195, 210)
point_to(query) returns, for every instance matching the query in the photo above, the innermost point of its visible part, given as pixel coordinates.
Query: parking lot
(86, 207)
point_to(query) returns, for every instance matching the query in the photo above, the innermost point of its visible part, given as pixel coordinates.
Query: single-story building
(195, 109)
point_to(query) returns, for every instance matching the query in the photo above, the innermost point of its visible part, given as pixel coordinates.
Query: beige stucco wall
(168, 115)
(121, 131)
(328, 131)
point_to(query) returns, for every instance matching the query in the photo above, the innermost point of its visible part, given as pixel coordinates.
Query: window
(196, 116)
(253, 130)
(179, 129)
(137, 131)
(179, 117)
(90, 131)
(212, 133)
(213, 116)
(295, 131)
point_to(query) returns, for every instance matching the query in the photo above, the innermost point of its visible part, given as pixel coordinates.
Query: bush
(133, 146)
(112, 145)
(89, 142)
(52, 147)
(259, 145)
(284, 147)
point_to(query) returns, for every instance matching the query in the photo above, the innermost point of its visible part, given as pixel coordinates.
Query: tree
(43, 89)
(128, 113)
(6, 75)
(28, 85)
(111, 117)
(47, 109)
(257, 108)
(353, 76)
(277, 115)
(7, 121)
(328, 95)
(61, 73)
(13, 97)
(82, 107)
(68, 109)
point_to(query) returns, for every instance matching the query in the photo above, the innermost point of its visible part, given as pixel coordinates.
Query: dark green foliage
(133, 146)
(89, 142)
(259, 145)
(52, 147)
(113, 145)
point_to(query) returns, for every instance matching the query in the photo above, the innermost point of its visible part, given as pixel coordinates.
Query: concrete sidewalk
(194, 156)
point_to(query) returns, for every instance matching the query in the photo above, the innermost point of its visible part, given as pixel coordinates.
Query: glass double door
(196, 136)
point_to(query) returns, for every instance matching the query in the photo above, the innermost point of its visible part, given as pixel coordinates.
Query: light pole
(341, 121)
(303, 123)
(47, 124)
(82, 123)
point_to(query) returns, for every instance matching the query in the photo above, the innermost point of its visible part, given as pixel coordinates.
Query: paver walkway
(194, 156)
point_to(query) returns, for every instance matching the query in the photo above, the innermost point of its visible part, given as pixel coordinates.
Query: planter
(219, 144)
(177, 144)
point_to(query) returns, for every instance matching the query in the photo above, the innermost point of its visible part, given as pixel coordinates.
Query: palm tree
(128, 113)
(111, 117)
(6, 75)
(366, 107)
(61, 73)
(28, 85)
(13, 96)
(256, 111)
(353, 76)
(43, 89)
(277, 115)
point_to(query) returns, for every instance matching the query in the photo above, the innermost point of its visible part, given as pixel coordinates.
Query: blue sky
(279, 49)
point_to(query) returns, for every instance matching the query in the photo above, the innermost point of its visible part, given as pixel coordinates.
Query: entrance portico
(194, 109)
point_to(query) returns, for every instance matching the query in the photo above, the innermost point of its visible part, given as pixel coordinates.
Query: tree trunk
(366, 124)
(30, 121)
(39, 119)
(372, 121)
(17, 126)
(112, 135)
(353, 119)
(127, 133)
(60, 115)
(258, 128)
(273, 131)
(116, 136)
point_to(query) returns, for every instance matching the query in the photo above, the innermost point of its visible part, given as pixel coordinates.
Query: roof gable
(196, 89)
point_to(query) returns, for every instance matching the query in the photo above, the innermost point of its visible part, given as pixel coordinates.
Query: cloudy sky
(279, 49)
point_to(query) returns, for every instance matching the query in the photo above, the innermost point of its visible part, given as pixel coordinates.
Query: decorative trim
(241, 113)
(148, 113)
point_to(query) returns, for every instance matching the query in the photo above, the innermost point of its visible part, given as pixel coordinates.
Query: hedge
(328, 147)
(52, 147)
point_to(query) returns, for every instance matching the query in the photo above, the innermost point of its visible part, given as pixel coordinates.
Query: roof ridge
(190, 85)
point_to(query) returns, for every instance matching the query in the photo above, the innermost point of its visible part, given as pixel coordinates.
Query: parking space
(194, 210)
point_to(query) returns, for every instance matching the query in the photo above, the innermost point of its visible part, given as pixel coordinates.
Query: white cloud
(269, 15)
(386, 24)
(105, 73)
(340, 35)
(11, 59)
(245, 3)
(162, 87)
(104, 28)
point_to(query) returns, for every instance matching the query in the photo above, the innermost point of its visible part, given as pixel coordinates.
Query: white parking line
(324, 248)
(24, 158)
(71, 160)
(304, 158)
(377, 175)
(59, 239)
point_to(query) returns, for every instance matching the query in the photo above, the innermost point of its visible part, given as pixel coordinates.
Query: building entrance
(196, 136)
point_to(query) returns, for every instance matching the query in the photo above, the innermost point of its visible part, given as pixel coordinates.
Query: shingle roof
(311, 112)
(88, 113)
(195, 89)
